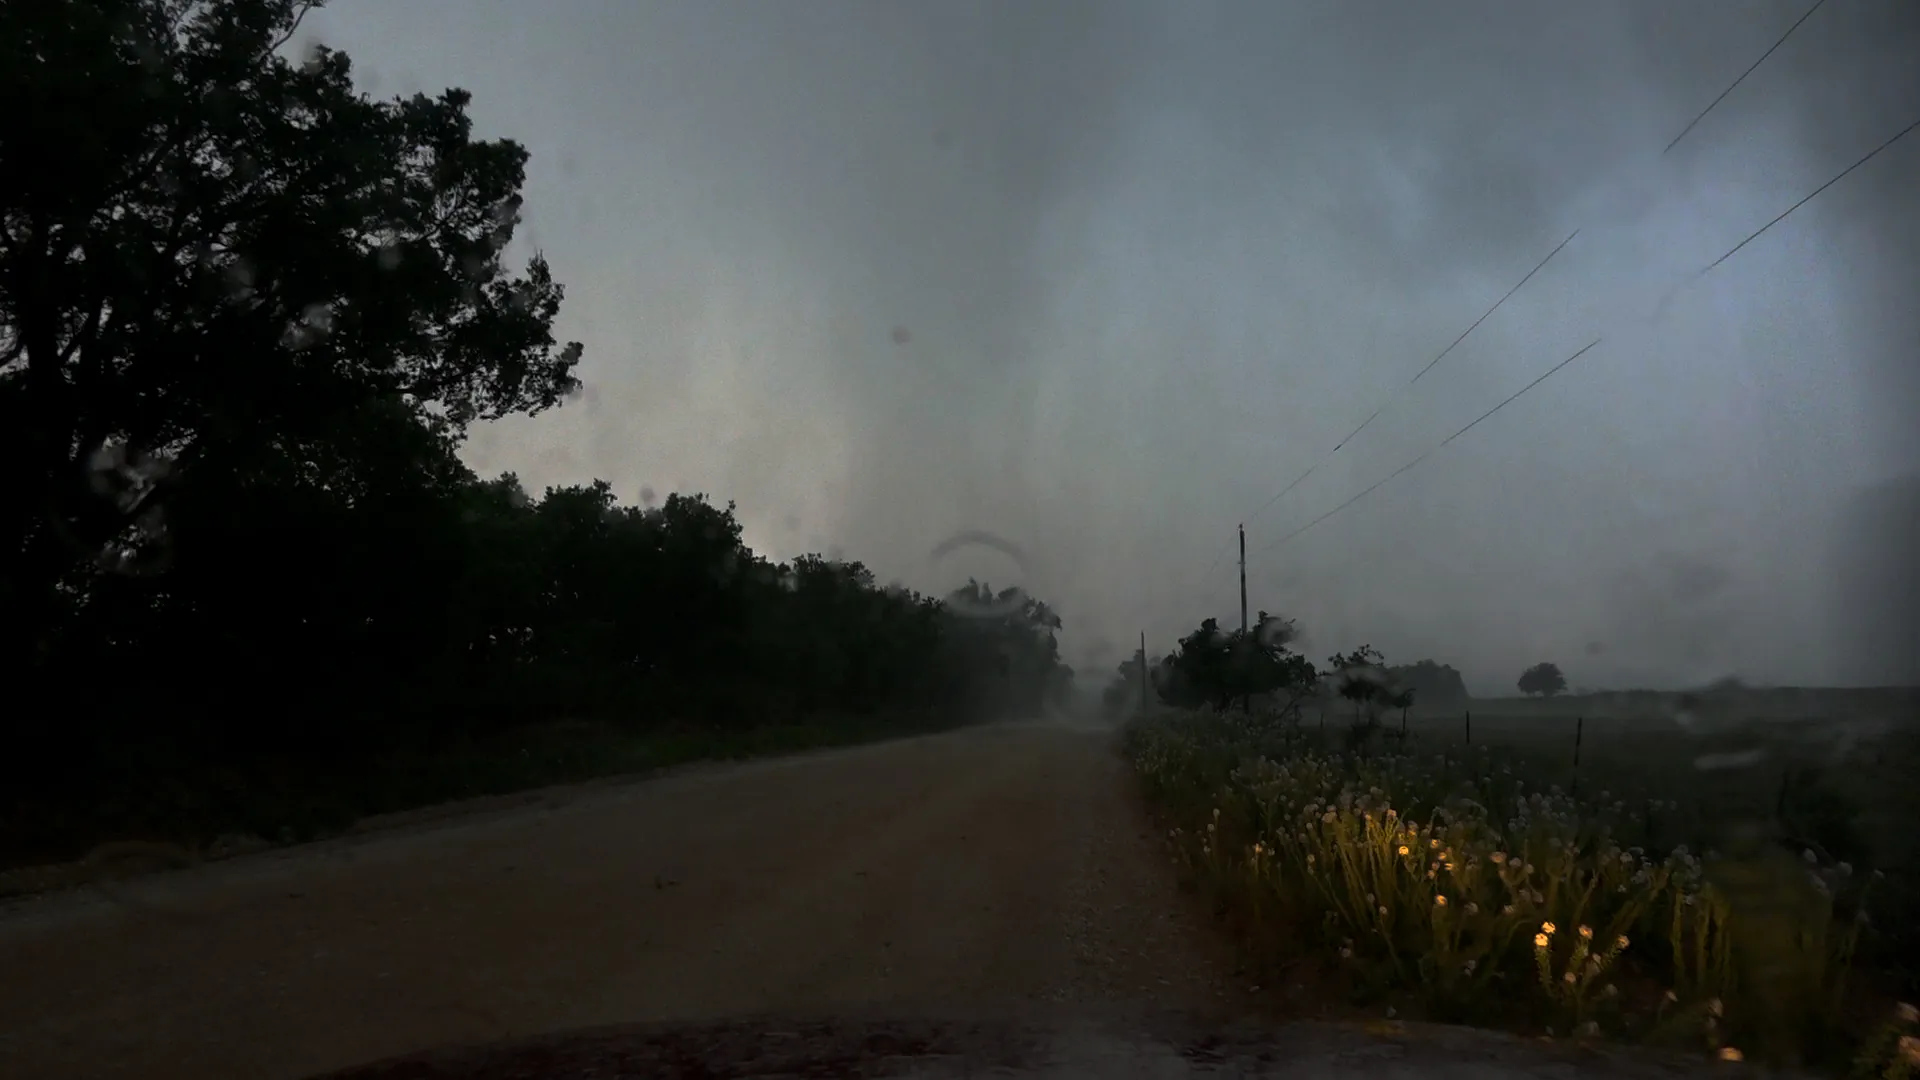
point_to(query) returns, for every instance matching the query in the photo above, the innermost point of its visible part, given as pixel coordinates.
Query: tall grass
(1455, 881)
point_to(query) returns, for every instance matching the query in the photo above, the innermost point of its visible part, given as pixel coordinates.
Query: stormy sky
(1101, 277)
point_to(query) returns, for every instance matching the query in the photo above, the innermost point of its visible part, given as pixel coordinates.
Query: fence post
(1579, 731)
(1469, 727)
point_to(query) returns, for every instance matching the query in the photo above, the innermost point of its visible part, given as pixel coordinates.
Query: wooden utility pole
(1246, 701)
(1243, 579)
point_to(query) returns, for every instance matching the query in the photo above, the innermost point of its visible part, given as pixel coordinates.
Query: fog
(1101, 277)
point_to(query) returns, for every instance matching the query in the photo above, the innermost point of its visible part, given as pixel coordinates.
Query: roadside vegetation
(248, 317)
(1413, 868)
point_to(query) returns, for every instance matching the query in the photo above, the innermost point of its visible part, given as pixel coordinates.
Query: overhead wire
(1429, 452)
(1817, 4)
(1550, 372)
(1751, 68)
(1417, 376)
(1677, 139)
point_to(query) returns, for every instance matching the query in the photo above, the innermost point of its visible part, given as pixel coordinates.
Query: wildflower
(1473, 908)
(1714, 1008)
(1586, 933)
(1383, 911)
(1506, 909)
(1439, 901)
(1620, 942)
(1405, 850)
(1539, 941)
(1728, 1053)
(1469, 966)
(1548, 928)
(1910, 1049)
(1568, 978)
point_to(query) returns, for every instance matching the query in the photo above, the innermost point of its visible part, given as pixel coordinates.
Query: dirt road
(990, 900)
(994, 871)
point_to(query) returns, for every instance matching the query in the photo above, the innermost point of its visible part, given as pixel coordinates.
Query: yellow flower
(1439, 901)
(1728, 1053)
(1539, 941)
(1586, 933)
(1405, 850)
(1547, 928)
(1620, 942)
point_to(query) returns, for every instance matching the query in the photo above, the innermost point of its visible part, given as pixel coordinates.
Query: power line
(1709, 268)
(1743, 75)
(1416, 378)
(1782, 216)
(1870, 155)
(1530, 274)
(1376, 485)
(1751, 68)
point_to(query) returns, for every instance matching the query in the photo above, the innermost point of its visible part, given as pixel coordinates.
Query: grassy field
(1740, 883)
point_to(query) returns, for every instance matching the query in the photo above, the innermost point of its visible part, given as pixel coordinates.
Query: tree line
(1218, 668)
(248, 315)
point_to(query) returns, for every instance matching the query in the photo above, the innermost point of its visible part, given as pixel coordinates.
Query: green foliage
(1543, 679)
(1454, 882)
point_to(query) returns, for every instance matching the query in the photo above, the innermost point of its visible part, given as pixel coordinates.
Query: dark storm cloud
(1101, 277)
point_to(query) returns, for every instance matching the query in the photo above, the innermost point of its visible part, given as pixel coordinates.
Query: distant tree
(1401, 699)
(1437, 684)
(1215, 667)
(1543, 679)
(1360, 677)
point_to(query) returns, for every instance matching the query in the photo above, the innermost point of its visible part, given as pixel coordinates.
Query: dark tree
(1437, 684)
(1217, 667)
(1543, 679)
(231, 267)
